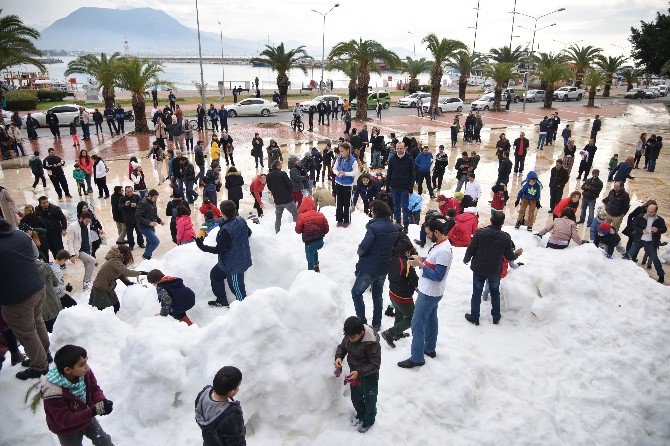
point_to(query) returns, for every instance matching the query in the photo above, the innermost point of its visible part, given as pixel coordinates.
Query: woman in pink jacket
(185, 231)
(563, 229)
(466, 225)
(86, 164)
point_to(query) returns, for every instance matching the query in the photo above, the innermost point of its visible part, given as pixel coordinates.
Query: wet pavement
(621, 128)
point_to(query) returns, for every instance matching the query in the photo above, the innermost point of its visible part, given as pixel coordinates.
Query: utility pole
(323, 42)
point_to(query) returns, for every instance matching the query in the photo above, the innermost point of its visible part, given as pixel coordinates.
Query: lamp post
(413, 41)
(474, 43)
(323, 42)
(532, 45)
(223, 67)
(202, 76)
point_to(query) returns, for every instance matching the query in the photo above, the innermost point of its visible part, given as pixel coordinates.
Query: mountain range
(148, 31)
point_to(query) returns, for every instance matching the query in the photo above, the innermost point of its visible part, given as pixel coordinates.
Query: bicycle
(297, 124)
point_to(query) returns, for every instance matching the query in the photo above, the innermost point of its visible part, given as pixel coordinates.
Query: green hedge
(21, 100)
(51, 95)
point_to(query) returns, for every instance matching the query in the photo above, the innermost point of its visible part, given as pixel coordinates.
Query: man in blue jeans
(432, 283)
(486, 250)
(374, 253)
(146, 217)
(424, 161)
(647, 231)
(400, 179)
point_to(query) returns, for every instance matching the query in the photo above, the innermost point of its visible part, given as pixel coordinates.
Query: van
(376, 96)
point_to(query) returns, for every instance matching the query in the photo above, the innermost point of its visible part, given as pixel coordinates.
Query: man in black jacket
(22, 296)
(146, 216)
(557, 181)
(53, 164)
(321, 109)
(520, 151)
(617, 204)
(504, 169)
(647, 232)
(188, 175)
(486, 250)
(199, 160)
(128, 206)
(117, 215)
(400, 179)
(595, 128)
(55, 221)
(279, 184)
(591, 189)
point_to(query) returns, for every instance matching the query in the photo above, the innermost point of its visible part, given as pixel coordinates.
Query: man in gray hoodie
(218, 414)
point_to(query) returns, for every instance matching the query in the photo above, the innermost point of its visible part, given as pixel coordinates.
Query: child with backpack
(175, 297)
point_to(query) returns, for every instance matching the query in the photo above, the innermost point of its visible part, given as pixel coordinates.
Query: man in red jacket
(72, 399)
(313, 226)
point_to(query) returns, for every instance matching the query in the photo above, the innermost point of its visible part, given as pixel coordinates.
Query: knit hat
(459, 195)
(605, 227)
(600, 212)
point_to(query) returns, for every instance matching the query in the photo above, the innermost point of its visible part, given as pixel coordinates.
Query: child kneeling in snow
(72, 399)
(403, 280)
(361, 343)
(219, 416)
(175, 297)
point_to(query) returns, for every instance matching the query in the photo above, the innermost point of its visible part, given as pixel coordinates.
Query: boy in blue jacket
(175, 297)
(368, 189)
(529, 197)
(423, 162)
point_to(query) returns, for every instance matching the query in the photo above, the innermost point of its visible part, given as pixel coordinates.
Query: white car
(252, 107)
(651, 93)
(410, 101)
(663, 89)
(483, 103)
(305, 105)
(445, 104)
(66, 114)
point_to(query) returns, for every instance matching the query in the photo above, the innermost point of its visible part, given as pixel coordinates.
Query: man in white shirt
(297, 116)
(432, 283)
(473, 188)
(79, 245)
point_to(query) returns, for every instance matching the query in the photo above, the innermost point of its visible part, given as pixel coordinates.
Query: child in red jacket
(500, 197)
(256, 188)
(72, 399)
(207, 205)
(185, 231)
(466, 225)
(313, 226)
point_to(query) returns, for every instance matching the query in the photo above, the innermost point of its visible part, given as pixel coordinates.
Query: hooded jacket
(448, 204)
(19, 275)
(233, 183)
(175, 298)
(256, 188)
(111, 270)
(367, 193)
(466, 225)
(365, 356)
(52, 305)
(222, 423)
(311, 223)
(403, 280)
(562, 204)
(210, 207)
(185, 231)
(528, 191)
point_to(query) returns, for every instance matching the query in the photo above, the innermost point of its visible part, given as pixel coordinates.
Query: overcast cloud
(602, 23)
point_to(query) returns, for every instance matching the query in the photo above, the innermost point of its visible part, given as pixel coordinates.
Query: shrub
(51, 95)
(21, 100)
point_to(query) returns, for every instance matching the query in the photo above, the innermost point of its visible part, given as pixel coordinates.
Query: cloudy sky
(603, 23)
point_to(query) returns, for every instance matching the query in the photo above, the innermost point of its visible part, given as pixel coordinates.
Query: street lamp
(202, 76)
(532, 45)
(323, 41)
(413, 41)
(223, 67)
(474, 43)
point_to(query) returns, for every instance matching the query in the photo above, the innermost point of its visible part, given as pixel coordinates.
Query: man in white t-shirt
(432, 282)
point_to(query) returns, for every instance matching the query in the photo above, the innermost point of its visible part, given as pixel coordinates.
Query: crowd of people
(391, 188)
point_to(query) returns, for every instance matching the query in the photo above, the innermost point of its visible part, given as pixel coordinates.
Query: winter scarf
(78, 389)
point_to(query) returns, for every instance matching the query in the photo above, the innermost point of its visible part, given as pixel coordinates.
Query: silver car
(534, 96)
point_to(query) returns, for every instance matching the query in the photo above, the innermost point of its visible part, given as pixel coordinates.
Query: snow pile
(581, 355)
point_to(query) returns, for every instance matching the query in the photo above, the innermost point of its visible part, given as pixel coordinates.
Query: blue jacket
(223, 115)
(375, 251)
(182, 297)
(210, 192)
(544, 125)
(232, 246)
(530, 192)
(415, 202)
(345, 166)
(594, 227)
(367, 193)
(622, 171)
(424, 161)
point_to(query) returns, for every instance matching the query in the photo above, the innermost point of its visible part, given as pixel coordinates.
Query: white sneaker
(34, 190)
(87, 286)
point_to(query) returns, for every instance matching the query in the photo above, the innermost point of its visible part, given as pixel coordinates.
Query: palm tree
(507, 55)
(630, 75)
(551, 68)
(282, 61)
(414, 67)
(135, 75)
(102, 68)
(465, 62)
(366, 54)
(609, 65)
(350, 68)
(16, 41)
(583, 58)
(501, 73)
(442, 50)
(593, 79)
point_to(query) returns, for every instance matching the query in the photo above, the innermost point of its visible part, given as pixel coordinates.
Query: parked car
(253, 107)
(410, 101)
(634, 93)
(658, 90)
(567, 93)
(374, 97)
(663, 89)
(445, 104)
(305, 105)
(650, 93)
(483, 103)
(516, 93)
(534, 95)
(66, 114)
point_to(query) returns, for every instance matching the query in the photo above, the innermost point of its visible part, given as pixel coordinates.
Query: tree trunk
(578, 77)
(544, 85)
(462, 85)
(629, 87)
(352, 89)
(362, 91)
(140, 112)
(497, 97)
(592, 96)
(282, 86)
(108, 96)
(435, 85)
(413, 85)
(549, 96)
(608, 85)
